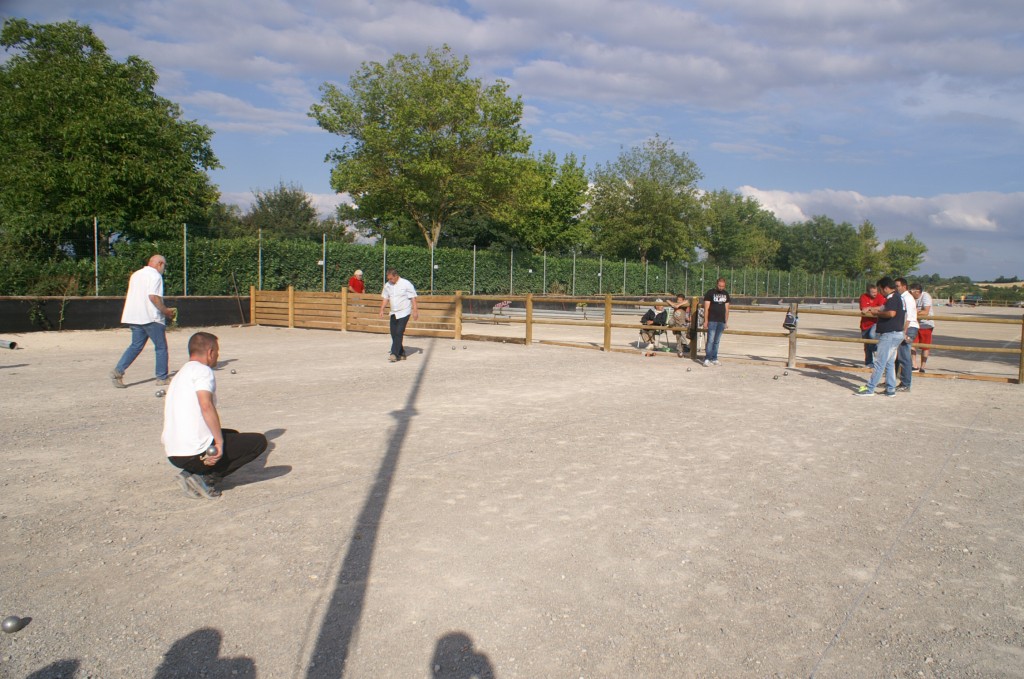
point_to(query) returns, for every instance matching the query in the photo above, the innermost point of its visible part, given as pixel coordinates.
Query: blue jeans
(903, 358)
(885, 361)
(869, 349)
(397, 333)
(141, 333)
(715, 330)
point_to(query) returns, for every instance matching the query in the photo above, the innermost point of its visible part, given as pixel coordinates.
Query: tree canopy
(83, 135)
(645, 203)
(424, 141)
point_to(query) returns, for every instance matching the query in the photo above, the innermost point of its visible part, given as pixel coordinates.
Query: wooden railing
(443, 316)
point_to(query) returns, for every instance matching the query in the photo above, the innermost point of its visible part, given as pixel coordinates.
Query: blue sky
(909, 113)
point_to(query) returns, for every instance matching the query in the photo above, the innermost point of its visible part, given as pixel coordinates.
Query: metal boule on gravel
(160, 393)
(13, 623)
(233, 371)
(689, 369)
(776, 377)
(785, 373)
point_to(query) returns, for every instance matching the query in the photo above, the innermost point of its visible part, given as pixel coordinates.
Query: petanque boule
(776, 377)
(12, 624)
(233, 371)
(161, 393)
(689, 369)
(785, 373)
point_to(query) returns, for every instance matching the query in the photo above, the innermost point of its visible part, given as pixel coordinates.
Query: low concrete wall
(31, 314)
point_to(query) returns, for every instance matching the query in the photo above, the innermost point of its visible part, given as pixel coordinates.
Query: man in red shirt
(355, 284)
(869, 299)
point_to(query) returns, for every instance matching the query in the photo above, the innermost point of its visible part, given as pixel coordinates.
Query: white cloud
(967, 233)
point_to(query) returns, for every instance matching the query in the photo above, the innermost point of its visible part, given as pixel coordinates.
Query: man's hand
(211, 460)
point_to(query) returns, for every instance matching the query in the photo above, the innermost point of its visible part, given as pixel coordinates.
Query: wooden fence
(443, 316)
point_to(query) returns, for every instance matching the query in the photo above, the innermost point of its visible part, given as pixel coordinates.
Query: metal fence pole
(323, 265)
(574, 273)
(184, 256)
(511, 264)
(96, 253)
(623, 275)
(474, 271)
(545, 272)
(600, 273)
(261, 259)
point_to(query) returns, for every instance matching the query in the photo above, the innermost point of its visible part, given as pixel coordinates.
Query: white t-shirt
(400, 295)
(911, 304)
(138, 308)
(185, 430)
(924, 302)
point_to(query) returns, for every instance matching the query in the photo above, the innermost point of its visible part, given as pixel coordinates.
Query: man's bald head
(157, 262)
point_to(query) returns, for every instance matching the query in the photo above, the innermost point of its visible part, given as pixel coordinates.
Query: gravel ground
(488, 509)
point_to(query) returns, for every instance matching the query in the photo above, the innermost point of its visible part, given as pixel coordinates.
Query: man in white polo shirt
(145, 313)
(401, 294)
(193, 437)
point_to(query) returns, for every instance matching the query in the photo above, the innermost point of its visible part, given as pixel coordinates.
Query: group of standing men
(897, 316)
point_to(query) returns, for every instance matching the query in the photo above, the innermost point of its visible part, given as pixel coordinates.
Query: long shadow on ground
(341, 619)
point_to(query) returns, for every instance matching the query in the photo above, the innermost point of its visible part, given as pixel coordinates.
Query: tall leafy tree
(286, 211)
(820, 245)
(902, 257)
(870, 255)
(554, 195)
(424, 141)
(737, 230)
(644, 204)
(83, 135)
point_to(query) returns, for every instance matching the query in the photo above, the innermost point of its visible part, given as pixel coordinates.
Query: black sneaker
(902, 388)
(182, 479)
(202, 485)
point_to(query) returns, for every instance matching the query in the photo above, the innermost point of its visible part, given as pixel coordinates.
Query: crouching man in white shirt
(193, 439)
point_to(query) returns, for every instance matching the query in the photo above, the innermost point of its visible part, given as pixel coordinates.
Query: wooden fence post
(1020, 368)
(608, 322)
(291, 306)
(791, 360)
(529, 318)
(344, 309)
(252, 305)
(694, 330)
(458, 315)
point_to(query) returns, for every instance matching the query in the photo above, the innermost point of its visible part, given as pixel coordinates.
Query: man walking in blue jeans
(891, 318)
(401, 294)
(144, 312)
(716, 320)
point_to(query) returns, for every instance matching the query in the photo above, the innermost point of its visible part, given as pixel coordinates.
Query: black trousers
(397, 333)
(239, 450)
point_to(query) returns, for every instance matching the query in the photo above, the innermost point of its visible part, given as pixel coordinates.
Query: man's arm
(158, 302)
(415, 309)
(383, 303)
(727, 314)
(212, 420)
(707, 309)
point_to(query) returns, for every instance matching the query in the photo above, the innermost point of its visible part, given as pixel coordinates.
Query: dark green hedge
(211, 263)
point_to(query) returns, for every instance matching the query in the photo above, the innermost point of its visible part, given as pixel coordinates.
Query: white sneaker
(707, 363)
(715, 362)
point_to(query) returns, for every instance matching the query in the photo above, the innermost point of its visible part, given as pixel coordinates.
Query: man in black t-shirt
(716, 320)
(891, 318)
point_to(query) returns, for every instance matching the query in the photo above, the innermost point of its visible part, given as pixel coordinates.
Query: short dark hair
(916, 286)
(872, 285)
(902, 281)
(201, 342)
(886, 282)
(391, 272)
